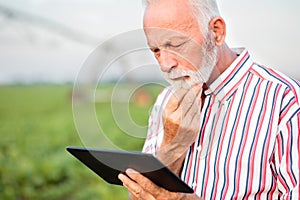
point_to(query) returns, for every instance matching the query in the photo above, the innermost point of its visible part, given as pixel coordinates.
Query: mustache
(177, 74)
(178, 78)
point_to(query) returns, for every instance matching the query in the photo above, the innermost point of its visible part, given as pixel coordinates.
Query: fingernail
(130, 171)
(121, 177)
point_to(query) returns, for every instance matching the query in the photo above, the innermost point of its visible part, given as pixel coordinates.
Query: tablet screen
(108, 164)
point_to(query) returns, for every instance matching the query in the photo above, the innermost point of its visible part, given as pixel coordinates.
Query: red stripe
(235, 86)
(201, 141)
(298, 117)
(265, 161)
(264, 164)
(273, 190)
(287, 109)
(209, 155)
(278, 140)
(267, 145)
(288, 151)
(286, 81)
(252, 164)
(283, 183)
(238, 178)
(256, 73)
(150, 135)
(213, 97)
(190, 164)
(233, 71)
(220, 149)
(234, 135)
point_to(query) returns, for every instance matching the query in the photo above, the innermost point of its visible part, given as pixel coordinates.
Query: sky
(39, 51)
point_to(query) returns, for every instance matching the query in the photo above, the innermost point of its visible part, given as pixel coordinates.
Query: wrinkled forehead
(156, 36)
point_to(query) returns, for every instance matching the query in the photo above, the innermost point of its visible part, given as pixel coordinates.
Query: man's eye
(174, 45)
(177, 45)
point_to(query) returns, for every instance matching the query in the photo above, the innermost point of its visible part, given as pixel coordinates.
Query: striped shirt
(249, 142)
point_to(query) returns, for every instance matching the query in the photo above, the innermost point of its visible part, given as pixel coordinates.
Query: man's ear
(218, 29)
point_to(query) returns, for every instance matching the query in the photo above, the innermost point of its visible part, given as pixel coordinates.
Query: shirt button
(194, 184)
(199, 148)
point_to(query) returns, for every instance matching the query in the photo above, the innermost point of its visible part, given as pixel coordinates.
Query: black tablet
(108, 164)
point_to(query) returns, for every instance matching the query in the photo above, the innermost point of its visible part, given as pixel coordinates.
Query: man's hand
(181, 111)
(141, 187)
(181, 125)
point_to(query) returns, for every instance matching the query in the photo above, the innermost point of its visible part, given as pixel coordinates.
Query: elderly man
(227, 126)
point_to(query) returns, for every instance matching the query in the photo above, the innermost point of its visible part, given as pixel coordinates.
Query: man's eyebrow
(170, 40)
(183, 37)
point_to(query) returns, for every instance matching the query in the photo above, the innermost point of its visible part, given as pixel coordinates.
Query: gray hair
(203, 10)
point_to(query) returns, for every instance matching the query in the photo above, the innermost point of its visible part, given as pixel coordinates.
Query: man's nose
(167, 60)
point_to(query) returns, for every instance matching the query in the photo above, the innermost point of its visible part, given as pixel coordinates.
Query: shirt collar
(229, 80)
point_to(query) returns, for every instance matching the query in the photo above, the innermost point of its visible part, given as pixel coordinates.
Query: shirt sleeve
(287, 152)
(155, 124)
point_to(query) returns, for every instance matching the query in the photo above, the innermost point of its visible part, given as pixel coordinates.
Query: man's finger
(175, 100)
(195, 108)
(134, 188)
(148, 185)
(190, 100)
(181, 101)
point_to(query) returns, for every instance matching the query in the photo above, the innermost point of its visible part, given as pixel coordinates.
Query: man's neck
(225, 58)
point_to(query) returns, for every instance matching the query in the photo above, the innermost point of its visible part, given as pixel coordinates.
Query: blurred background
(44, 45)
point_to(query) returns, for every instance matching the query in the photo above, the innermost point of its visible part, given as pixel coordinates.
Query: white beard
(181, 78)
(202, 75)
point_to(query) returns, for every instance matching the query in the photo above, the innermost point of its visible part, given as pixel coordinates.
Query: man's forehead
(164, 32)
(166, 20)
(160, 35)
(176, 15)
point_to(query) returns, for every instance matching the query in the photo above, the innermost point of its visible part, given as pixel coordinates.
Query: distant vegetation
(36, 124)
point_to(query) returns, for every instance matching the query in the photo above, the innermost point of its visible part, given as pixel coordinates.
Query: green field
(36, 124)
